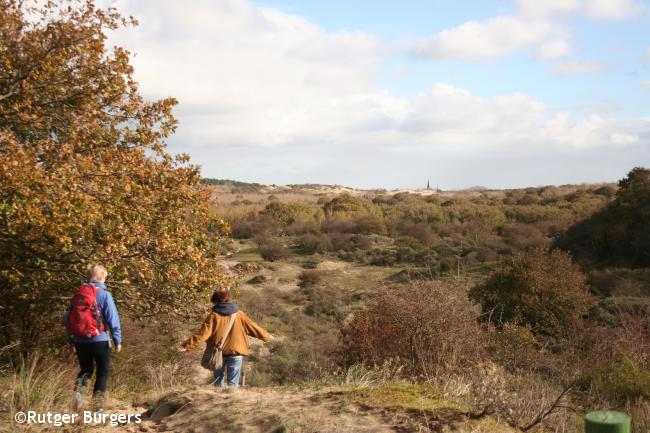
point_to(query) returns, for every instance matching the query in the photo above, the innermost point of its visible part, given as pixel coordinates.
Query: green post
(607, 421)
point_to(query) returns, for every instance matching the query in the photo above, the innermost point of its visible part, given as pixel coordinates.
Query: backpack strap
(95, 289)
(95, 292)
(228, 329)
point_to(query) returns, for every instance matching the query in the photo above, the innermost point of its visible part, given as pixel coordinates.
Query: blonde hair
(94, 270)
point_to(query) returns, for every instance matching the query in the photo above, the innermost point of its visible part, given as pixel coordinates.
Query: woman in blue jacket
(96, 351)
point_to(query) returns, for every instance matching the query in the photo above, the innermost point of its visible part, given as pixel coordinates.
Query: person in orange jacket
(236, 346)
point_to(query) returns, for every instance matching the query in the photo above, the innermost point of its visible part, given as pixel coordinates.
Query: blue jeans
(232, 368)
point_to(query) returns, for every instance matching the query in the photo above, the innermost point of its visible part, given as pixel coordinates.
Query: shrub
(524, 236)
(620, 282)
(412, 274)
(625, 379)
(309, 278)
(335, 242)
(292, 361)
(257, 279)
(528, 199)
(516, 348)
(487, 255)
(413, 324)
(298, 228)
(341, 242)
(620, 233)
(287, 213)
(639, 411)
(408, 242)
(614, 358)
(271, 249)
(524, 400)
(607, 191)
(413, 212)
(409, 250)
(339, 225)
(311, 243)
(421, 232)
(372, 224)
(634, 329)
(242, 229)
(347, 204)
(262, 225)
(310, 264)
(541, 289)
(381, 257)
(362, 242)
(326, 301)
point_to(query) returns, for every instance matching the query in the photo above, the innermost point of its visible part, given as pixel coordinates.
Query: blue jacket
(109, 314)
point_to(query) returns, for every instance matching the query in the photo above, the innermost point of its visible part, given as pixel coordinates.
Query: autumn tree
(84, 176)
(367, 217)
(346, 204)
(287, 213)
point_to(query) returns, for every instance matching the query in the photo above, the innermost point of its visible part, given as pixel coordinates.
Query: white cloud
(647, 55)
(533, 24)
(403, 71)
(451, 119)
(553, 49)
(645, 84)
(269, 86)
(624, 139)
(496, 37)
(614, 9)
(578, 67)
(249, 74)
(540, 9)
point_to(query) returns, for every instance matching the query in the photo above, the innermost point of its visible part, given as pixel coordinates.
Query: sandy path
(254, 410)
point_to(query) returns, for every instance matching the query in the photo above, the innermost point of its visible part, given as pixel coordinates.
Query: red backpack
(85, 317)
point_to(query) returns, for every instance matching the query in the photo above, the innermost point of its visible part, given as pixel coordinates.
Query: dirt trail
(253, 410)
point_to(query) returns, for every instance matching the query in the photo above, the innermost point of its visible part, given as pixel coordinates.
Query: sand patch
(331, 265)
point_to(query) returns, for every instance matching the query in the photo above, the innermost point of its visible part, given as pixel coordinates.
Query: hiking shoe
(78, 401)
(98, 402)
(79, 392)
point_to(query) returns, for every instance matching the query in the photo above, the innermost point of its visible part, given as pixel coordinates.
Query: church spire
(428, 184)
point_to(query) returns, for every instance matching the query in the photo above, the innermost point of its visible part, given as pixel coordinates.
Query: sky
(388, 94)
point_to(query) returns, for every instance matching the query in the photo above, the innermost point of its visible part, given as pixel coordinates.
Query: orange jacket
(214, 327)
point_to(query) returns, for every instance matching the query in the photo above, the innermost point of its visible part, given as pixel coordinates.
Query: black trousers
(91, 355)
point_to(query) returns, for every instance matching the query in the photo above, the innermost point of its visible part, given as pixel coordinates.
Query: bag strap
(227, 334)
(101, 316)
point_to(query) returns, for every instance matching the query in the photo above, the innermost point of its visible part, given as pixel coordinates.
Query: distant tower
(428, 185)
